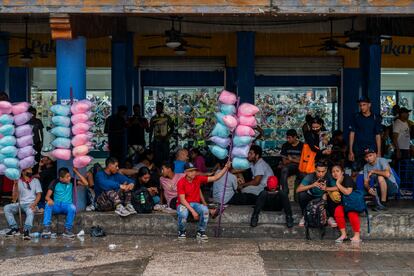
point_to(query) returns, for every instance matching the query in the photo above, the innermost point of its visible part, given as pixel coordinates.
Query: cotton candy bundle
(222, 142)
(228, 109)
(5, 107)
(230, 121)
(227, 97)
(81, 124)
(19, 108)
(61, 131)
(240, 163)
(241, 152)
(247, 109)
(244, 131)
(22, 118)
(218, 152)
(220, 130)
(62, 154)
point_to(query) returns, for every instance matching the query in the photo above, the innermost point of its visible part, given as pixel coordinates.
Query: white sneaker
(159, 207)
(90, 208)
(332, 222)
(122, 211)
(169, 211)
(130, 209)
(302, 222)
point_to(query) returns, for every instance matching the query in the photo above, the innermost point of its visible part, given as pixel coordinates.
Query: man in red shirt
(191, 200)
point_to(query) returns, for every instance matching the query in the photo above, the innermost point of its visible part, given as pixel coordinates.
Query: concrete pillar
(19, 84)
(245, 66)
(4, 62)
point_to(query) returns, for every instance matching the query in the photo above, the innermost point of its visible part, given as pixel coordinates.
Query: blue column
(19, 84)
(71, 68)
(123, 72)
(370, 65)
(138, 97)
(4, 62)
(245, 66)
(350, 93)
(71, 73)
(231, 79)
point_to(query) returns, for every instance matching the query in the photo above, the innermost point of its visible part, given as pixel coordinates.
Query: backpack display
(307, 160)
(316, 216)
(355, 202)
(142, 201)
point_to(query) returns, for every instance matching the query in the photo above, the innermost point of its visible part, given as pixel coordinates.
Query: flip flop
(341, 240)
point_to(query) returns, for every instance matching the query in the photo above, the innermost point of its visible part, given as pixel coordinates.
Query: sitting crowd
(181, 185)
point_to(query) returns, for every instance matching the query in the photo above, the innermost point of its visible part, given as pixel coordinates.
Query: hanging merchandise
(8, 149)
(61, 131)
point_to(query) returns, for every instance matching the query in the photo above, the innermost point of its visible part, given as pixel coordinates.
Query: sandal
(355, 241)
(341, 240)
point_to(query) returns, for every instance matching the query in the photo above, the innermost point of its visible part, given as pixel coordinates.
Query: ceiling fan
(330, 45)
(26, 54)
(175, 38)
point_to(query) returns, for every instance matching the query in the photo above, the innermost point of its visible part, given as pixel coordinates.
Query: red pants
(353, 219)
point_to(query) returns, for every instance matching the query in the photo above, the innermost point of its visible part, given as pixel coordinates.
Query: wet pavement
(134, 255)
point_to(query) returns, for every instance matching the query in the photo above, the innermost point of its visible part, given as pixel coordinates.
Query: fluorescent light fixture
(395, 73)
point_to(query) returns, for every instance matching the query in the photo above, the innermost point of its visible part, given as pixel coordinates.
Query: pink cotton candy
(27, 162)
(247, 109)
(5, 107)
(80, 139)
(25, 152)
(79, 118)
(62, 154)
(81, 107)
(244, 131)
(22, 118)
(227, 97)
(230, 121)
(23, 130)
(80, 128)
(81, 161)
(19, 108)
(80, 150)
(24, 141)
(248, 121)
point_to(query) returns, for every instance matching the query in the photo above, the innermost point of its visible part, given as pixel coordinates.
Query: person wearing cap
(272, 199)
(401, 135)
(364, 131)
(190, 199)
(291, 152)
(378, 175)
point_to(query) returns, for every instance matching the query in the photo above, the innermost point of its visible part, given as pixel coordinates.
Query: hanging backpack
(307, 160)
(316, 217)
(355, 202)
(142, 201)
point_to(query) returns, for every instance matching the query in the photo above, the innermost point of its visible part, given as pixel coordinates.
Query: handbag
(307, 160)
(355, 202)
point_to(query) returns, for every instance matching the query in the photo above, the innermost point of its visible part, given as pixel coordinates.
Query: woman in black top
(345, 185)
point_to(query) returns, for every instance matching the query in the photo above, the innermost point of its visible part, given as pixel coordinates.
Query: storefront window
(191, 108)
(284, 108)
(43, 96)
(391, 98)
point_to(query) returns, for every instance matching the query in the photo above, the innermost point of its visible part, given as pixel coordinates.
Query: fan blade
(158, 46)
(10, 54)
(311, 46)
(152, 36)
(334, 36)
(197, 46)
(195, 36)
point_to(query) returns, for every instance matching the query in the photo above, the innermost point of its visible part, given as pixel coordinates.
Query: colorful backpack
(316, 216)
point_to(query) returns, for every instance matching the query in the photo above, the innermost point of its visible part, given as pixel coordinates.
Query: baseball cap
(404, 110)
(272, 183)
(369, 150)
(364, 99)
(189, 167)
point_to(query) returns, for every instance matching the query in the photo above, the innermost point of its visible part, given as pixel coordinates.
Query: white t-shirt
(218, 188)
(259, 168)
(403, 131)
(28, 195)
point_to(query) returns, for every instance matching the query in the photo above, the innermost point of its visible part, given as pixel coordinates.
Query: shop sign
(392, 48)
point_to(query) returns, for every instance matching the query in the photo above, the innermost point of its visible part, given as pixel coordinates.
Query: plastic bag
(227, 97)
(11, 162)
(23, 130)
(80, 150)
(239, 141)
(24, 141)
(59, 109)
(242, 152)
(222, 142)
(5, 107)
(62, 154)
(81, 161)
(22, 118)
(27, 162)
(79, 118)
(61, 121)
(9, 151)
(219, 117)
(230, 121)
(248, 121)
(227, 109)
(81, 107)
(81, 128)
(247, 109)
(240, 163)
(220, 131)
(244, 131)
(219, 152)
(6, 119)
(7, 130)
(19, 108)
(26, 152)
(12, 173)
(7, 141)
(80, 139)
(61, 131)
(60, 142)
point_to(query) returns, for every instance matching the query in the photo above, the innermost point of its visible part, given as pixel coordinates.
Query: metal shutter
(182, 64)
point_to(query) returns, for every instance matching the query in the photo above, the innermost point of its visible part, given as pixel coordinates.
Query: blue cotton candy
(222, 142)
(219, 117)
(59, 109)
(60, 142)
(61, 132)
(6, 119)
(7, 130)
(61, 121)
(9, 151)
(11, 163)
(220, 130)
(228, 109)
(239, 141)
(219, 152)
(240, 163)
(12, 174)
(2, 158)
(7, 141)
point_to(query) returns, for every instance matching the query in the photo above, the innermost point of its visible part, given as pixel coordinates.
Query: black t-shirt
(348, 182)
(288, 149)
(136, 131)
(46, 177)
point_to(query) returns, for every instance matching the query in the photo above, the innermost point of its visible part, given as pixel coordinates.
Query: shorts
(392, 188)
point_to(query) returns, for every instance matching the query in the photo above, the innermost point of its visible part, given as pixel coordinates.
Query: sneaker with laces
(332, 222)
(13, 232)
(90, 208)
(26, 235)
(182, 235)
(122, 211)
(302, 222)
(68, 234)
(159, 207)
(201, 235)
(46, 233)
(130, 209)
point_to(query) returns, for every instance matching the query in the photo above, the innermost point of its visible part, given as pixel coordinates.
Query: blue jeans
(11, 209)
(60, 208)
(201, 210)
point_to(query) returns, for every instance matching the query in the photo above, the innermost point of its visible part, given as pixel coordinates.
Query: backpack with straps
(142, 201)
(316, 216)
(355, 202)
